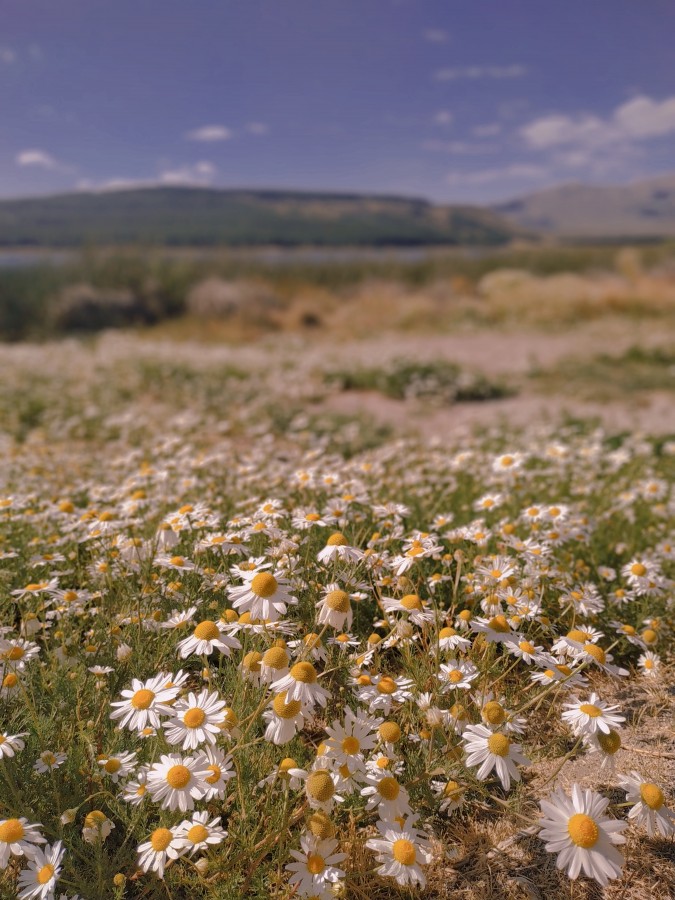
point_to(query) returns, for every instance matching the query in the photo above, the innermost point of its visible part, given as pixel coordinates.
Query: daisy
(321, 789)
(264, 595)
(97, 826)
(284, 717)
(118, 765)
(338, 547)
(301, 684)
(524, 649)
(456, 674)
(18, 838)
(162, 845)
(274, 663)
(220, 771)
(198, 833)
(17, 653)
(196, 720)
(49, 761)
(412, 606)
(207, 637)
(315, 867)
(449, 639)
(11, 743)
(38, 881)
(606, 744)
(288, 773)
(386, 794)
(177, 781)
(136, 789)
(140, 706)
(493, 750)
(383, 691)
(648, 662)
(649, 810)
(578, 831)
(591, 716)
(347, 743)
(450, 793)
(400, 850)
(335, 608)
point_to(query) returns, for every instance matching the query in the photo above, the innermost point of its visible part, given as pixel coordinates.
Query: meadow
(335, 611)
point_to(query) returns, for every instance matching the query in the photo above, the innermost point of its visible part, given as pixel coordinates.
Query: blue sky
(454, 100)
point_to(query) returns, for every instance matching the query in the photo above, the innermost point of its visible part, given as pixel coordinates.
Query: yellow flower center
(452, 789)
(112, 766)
(15, 653)
(576, 635)
(590, 709)
(207, 631)
(411, 601)
(177, 561)
(652, 795)
(494, 713)
(499, 624)
(160, 839)
(338, 601)
(11, 831)
(388, 787)
(215, 774)
(275, 658)
(337, 540)
(45, 875)
(303, 672)
(628, 629)
(583, 831)
(315, 864)
(264, 585)
(499, 744)
(142, 699)
(351, 745)
(596, 652)
(320, 785)
(94, 819)
(320, 825)
(389, 732)
(403, 852)
(194, 717)
(178, 777)
(251, 662)
(527, 647)
(386, 685)
(197, 834)
(649, 636)
(638, 569)
(447, 632)
(455, 676)
(285, 710)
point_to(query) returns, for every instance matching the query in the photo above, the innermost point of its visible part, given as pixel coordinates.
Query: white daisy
(386, 794)
(18, 838)
(38, 881)
(48, 761)
(493, 750)
(301, 684)
(198, 833)
(347, 743)
(97, 826)
(264, 595)
(649, 810)
(11, 744)
(591, 715)
(118, 765)
(338, 548)
(196, 720)
(207, 637)
(162, 845)
(401, 850)
(315, 868)
(177, 781)
(578, 831)
(456, 674)
(335, 608)
(220, 771)
(141, 704)
(284, 717)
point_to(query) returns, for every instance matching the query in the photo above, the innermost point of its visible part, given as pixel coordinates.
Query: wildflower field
(254, 648)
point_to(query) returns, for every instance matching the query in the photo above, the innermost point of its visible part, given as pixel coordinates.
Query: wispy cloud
(637, 120)
(459, 73)
(492, 129)
(39, 159)
(514, 172)
(209, 134)
(199, 174)
(257, 128)
(7, 56)
(458, 148)
(443, 118)
(435, 35)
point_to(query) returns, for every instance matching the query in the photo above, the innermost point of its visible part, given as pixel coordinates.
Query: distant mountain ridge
(182, 216)
(643, 209)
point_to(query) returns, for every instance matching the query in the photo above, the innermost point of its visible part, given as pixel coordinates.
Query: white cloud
(209, 134)
(435, 36)
(37, 158)
(7, 56)
(257, 128)
(514, 172)
(201, 173)
(490, 130)
(457, 148)
(443, 117)
(473, 72)
(639, 119)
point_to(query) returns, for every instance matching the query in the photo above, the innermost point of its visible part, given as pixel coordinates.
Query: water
(24, 259)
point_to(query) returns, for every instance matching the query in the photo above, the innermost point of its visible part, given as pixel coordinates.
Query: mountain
(204, 217)
(644, 209)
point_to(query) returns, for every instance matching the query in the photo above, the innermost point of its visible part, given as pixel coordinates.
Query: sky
(452, 100)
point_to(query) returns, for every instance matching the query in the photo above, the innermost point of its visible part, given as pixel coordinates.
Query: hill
(644, 209)
(177, 216)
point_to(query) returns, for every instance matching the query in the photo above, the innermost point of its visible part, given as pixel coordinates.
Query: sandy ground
(508, 355)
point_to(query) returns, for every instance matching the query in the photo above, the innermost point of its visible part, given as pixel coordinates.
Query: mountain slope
(199, 216)
(643, 209)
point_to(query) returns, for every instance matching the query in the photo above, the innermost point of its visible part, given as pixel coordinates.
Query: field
(328, 581)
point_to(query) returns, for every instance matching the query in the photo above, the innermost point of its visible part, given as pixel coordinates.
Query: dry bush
(82, 307)
(215, 298)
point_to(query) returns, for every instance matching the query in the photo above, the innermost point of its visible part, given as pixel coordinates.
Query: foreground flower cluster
(248, 664)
